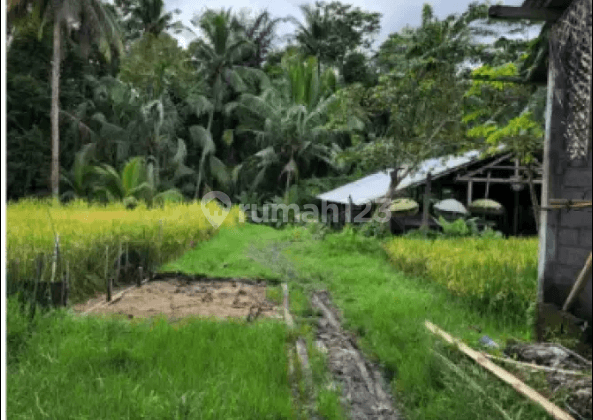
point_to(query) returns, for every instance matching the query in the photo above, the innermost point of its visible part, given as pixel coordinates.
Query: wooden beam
(520, 12)
(493, 163)
(496, 180)
(552, 409)
(579, 284)
(470, 192)
(427, 194)
(523, 168)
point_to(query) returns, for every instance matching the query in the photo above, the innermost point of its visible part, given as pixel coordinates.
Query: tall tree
(147, 17)
(93, 24)
(332, 30)
(288, 121)
(219, 57)
(261, 32)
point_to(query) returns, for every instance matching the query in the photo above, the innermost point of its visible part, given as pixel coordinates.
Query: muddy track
(362, 384)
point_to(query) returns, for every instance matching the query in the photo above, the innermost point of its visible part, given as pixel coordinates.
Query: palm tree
(219, 56)
(313, 34)
(260, 31)
(148, 17)
(287, 121)
(94, 23)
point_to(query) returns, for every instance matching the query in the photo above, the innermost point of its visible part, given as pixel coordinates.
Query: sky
(396, 13)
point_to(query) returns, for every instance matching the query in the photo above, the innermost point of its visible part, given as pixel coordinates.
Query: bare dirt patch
(362, 383)
(179, 298)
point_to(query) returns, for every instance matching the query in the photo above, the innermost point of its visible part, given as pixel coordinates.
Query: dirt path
(362, 384)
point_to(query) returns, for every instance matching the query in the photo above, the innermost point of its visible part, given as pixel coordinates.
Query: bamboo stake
(118, 269)
(66, 284)
(555, 411)
(579, 283)
(107, 279)
(536, 367)
(287, 317)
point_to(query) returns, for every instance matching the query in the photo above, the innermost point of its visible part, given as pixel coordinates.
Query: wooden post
(534, 201)
(139, 281)
(118, 262)
(54, 263)
(488, 184)
(516, 214)
(470, 192)
(427, 194)
(350, 210)
(107, 278)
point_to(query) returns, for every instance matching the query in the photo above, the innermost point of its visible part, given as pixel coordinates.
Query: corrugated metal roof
(375, 186)
(438, 167)
(366, 189)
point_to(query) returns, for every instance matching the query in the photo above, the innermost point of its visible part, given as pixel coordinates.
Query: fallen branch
(569, 351)
(115, 298)
(537, 367)
(555, 411)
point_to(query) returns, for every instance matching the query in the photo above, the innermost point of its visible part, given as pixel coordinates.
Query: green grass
(387, 310)
(227, 257)
(89, 368)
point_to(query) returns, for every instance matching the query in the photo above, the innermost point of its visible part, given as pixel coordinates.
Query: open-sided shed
(565, 237)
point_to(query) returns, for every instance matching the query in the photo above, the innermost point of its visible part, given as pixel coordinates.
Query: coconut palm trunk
(55, 110)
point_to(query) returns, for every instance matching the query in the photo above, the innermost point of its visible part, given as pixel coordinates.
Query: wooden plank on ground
(552, 409)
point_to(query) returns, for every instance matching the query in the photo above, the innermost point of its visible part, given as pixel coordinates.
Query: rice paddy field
(92, 237)
(62, 365)
(498, 275)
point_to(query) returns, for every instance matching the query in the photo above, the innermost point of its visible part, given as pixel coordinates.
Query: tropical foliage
(232, 112)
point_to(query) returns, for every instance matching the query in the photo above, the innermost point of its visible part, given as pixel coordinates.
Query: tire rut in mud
(362, 384)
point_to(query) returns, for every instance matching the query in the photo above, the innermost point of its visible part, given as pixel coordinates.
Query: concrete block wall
(568, 233)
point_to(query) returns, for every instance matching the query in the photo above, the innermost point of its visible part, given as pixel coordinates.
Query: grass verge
(86, 367)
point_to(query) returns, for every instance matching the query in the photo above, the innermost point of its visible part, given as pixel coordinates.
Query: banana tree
(210, 167)
(81, 177)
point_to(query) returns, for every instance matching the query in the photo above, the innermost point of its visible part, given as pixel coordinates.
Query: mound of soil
(362, 383)
(181, 298)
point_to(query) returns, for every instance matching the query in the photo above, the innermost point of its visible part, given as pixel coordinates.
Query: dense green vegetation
(237, 111)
